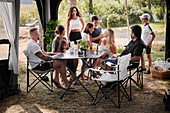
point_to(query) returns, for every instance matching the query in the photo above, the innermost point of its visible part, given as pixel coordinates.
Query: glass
(94, 48)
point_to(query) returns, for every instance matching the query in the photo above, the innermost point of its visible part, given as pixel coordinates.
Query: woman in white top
(75, 25)
(109, 42)
(85, 36)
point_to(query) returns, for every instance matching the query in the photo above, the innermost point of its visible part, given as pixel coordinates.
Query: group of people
(92, 33)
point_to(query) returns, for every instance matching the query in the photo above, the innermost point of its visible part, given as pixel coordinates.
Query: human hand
(150, 45)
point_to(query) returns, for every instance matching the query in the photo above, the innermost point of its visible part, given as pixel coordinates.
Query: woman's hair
(88, 26)
(110, 38)
(59, 29)
(61, 44)
(69, 16)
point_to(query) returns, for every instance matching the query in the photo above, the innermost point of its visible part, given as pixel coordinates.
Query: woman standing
(75, 25)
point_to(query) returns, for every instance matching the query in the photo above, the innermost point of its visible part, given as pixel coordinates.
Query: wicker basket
(159, 74)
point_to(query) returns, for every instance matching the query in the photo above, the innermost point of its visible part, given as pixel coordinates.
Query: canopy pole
(127, 20)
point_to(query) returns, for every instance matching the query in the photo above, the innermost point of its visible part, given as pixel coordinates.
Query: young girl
(63, 46)
(85, 36)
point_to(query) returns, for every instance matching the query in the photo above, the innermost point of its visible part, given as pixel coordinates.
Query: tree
(149, 5)
(90, 6)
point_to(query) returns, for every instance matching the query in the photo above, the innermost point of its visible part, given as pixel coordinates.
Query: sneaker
(147, 72)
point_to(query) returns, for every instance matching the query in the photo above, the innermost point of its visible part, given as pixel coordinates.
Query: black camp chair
(38, 74)
(137, 69)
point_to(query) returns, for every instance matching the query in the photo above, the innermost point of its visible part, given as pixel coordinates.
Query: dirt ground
(40, 100)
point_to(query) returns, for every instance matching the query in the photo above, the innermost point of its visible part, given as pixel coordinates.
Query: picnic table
(87, 58)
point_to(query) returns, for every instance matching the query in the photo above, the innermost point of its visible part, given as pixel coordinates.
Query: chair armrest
(92, 69)
(42, 62)
(111, 65)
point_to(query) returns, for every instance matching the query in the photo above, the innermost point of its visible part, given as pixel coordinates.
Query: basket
(160, 74)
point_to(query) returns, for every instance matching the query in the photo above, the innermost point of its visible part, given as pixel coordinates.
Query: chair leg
(51, 73)
(27, 79)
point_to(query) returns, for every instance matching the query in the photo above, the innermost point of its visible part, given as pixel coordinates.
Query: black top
(55, 44)
(96, 33)
(135, 48)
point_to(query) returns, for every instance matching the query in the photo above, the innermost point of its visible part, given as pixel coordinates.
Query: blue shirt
(96, 33)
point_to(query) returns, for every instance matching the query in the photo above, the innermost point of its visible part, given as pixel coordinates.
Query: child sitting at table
(85, 36)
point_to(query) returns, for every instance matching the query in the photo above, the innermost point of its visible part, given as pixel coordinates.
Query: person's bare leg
(143, 62)
(62, 69)
(75, 62)
(56, 78)
(149, 61)
(82, 67)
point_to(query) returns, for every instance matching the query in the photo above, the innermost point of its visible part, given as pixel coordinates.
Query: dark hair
(33, 29)
(59, 29)
(69, 16)
(136, 29)
(95, 17)
(88, 25)
(61, 43)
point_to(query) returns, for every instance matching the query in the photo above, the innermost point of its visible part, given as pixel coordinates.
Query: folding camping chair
(38, 74)
(137, 66)
(119, 78)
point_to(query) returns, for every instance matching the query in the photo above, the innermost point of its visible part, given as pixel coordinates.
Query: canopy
(9, 12)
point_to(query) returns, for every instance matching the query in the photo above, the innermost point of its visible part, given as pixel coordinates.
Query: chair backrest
(25, 53)
(123, 63)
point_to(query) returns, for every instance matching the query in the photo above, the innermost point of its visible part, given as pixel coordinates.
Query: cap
(145, 15)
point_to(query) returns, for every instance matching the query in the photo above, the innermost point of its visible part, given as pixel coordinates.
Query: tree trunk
(149, 5)
(163, 7)
(90, 6)
(72, 3)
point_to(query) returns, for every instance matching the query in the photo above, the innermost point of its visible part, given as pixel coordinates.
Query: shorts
(43, 67)
(148, 50)
(113, 60)
(74, 36)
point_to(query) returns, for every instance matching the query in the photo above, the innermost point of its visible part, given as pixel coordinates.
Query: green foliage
(22, 70)
(114, 10)
(30, 15)
(120, 49)
(50, 34)
(84, 44)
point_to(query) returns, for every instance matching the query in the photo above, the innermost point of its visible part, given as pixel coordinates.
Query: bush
(30, 15)
(50, 34)
(120, 49)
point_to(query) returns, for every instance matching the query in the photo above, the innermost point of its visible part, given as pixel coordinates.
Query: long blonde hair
(110, 38)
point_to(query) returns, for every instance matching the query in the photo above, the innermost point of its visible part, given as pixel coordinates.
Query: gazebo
(48, 9)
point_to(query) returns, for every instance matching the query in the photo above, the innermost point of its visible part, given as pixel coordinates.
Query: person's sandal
(57, 84)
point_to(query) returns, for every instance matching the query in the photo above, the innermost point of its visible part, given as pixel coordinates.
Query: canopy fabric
(8, 15)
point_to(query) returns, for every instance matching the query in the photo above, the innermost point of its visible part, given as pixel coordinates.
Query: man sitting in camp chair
(37, 55)
(135, 47)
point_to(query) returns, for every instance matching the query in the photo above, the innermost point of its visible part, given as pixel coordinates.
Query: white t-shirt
(75, 24)
(85, 37)
(32, 49)
(146, 34)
